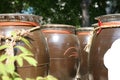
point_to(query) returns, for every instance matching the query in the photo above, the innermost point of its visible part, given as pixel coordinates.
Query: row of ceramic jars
(59, 51)
(96, 50)
(22, 22)
(102, 50)
(55, 47)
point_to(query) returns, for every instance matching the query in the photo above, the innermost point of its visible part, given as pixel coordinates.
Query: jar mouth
(25, 23)
(85, 29)
(108, 17)
(57, 31)
(57, 26)
(18, 17)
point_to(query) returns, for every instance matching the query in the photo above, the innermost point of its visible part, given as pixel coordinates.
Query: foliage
(61, 11)
(8, 58)
(52, 11)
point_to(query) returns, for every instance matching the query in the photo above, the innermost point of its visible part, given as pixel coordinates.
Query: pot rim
(57, 26)
(108, 18)
(17, 17)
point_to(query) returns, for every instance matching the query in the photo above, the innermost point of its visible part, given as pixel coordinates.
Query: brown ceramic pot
(63, 46)
(83, 35)
(104, 36)
(10, 22)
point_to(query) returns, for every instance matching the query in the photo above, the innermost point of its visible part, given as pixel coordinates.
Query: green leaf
(11, 59)
(31, 60)
(40, 78)
(19, 61)
(29, 79)
(50, 77)
(5, 77)
(3, 57)
(10, 68)
(25, 41)
(18, 79)
(22, 55)
(2, 69)
(15, 75)
(23, 49)
(3, 47)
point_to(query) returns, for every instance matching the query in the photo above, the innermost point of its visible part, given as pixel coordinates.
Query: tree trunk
(85, 13)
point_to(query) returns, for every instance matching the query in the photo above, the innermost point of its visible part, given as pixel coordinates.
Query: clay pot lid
(18, 17)
(108, 17)
(58, 26)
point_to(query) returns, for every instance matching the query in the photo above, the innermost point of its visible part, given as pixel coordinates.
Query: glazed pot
(83, 35)
(64, 50)
(103, 37)
(11, 22)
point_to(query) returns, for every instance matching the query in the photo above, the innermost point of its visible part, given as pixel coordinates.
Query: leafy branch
(8, 58)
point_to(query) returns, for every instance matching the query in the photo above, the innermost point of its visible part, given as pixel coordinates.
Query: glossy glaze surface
(63, 48)
(39, 48)
(100, 44)
(83, 35)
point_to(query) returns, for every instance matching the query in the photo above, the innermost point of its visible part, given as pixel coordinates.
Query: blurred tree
(11, 6)
(59, 11)
(85, 12)
(53, 11)
(97, 8)
(72, 12)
